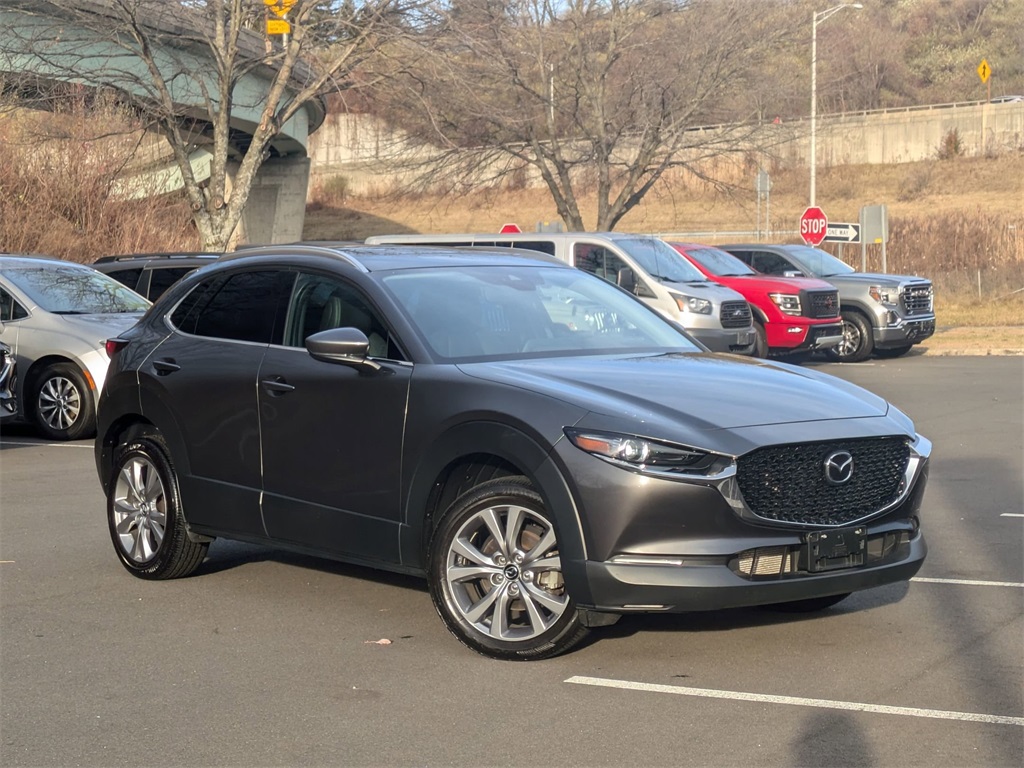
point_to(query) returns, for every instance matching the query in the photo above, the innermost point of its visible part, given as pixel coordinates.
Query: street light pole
(820, 16)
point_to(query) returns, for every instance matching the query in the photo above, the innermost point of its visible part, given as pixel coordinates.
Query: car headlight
(692, 304)
(643, 454)
(879, 293)
(786, 302)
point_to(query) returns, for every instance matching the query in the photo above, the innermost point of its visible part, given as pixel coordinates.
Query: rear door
(200, 385)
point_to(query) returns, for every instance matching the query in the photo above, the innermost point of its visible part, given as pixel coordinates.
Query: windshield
(719, 262)
(502, 312)
(660, 260)
(71, 290)
(819, 263)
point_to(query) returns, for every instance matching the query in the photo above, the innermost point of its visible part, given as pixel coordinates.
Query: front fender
(512, 446)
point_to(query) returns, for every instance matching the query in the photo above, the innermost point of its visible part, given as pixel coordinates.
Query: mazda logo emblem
(839, 467)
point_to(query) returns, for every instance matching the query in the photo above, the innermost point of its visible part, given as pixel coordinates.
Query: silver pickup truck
(884, 314)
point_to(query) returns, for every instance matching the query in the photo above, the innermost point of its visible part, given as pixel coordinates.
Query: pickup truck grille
(788, 483)
(917, 298)
(822, 304)
(735, 314)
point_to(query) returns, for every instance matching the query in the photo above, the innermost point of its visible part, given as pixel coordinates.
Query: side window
(9, 308)
(162, 279)
(320, 303)
(771, 263)
(129, 277)
(745, 256)
(597, 260)
(242, 307)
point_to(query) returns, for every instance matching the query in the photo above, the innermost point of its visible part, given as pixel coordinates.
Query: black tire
(810, 605)
(499, 607)
(63, 405)
(857, 342)
(144, 513)
(892, 352)
(760, 341)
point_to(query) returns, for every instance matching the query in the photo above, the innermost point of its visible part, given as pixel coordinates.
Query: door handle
(163, 367)
(277, 386)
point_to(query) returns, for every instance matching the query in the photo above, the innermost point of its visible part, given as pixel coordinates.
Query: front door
(332, 433)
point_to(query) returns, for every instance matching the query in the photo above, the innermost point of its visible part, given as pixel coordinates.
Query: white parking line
(1012, 514)
(710, 693)
(970, 582)
(45, 445)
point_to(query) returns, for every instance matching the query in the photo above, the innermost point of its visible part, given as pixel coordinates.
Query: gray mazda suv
(546, 450)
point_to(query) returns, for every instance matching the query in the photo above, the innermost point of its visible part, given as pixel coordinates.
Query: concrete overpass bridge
(81, 42)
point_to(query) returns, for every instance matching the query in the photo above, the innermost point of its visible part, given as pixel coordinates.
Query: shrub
(951, 145)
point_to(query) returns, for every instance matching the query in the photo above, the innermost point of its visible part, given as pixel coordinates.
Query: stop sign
(510, 229)
(813, 225)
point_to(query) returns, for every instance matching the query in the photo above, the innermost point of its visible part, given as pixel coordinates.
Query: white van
(717, 316)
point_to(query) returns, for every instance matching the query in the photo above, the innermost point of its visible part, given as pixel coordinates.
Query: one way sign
(842, 233)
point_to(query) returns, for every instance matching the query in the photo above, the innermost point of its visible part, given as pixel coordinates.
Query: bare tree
(188, 68)
(590, 96)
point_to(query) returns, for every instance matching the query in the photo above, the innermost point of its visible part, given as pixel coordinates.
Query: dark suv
(548, 451)
(150, 274)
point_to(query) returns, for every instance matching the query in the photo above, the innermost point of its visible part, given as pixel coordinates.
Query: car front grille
(735, 314)
(822, 304)
(788, 483)
(917, 298)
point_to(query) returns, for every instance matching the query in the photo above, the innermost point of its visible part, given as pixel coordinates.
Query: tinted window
(245, 308)
(544, 246)
(320, 303)
(597, 260)
(772, 264)
(9, 308)
(162, 279)
(129, 277)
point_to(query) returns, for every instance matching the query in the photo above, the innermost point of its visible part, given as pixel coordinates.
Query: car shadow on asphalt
(226, 555)
(743, 618)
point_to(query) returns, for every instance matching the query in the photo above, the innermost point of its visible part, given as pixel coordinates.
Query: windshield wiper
(71, 312)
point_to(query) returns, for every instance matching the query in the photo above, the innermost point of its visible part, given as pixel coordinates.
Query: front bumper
(736, 340)
(905, 332)
(701, 584)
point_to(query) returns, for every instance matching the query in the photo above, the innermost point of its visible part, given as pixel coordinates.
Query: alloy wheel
(60, 402)
(139, 509)
(505, 575)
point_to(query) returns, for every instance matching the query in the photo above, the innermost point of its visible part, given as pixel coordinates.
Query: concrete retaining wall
(367, 152)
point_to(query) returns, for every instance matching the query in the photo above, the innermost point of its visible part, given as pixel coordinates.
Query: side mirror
(626, 279)
(344, 346)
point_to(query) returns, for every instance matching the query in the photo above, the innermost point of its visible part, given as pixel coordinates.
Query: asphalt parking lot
(269, 658)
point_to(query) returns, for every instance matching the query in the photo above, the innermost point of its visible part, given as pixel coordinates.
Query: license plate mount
(836, 549)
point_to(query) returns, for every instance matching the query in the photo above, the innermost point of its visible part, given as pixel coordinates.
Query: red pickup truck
(791, 314)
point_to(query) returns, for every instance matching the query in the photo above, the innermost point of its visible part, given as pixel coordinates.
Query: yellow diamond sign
(984, 70)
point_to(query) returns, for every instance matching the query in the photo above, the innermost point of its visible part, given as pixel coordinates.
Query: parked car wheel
(893, 351)
(760, 341)
(63, 404)
(810, 605)
(857, 340)
(144, 513)
(496, 575)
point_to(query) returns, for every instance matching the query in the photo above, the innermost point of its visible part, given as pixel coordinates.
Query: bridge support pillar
(276, 208)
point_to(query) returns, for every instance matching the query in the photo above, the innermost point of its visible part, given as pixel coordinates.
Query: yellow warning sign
(984, 70)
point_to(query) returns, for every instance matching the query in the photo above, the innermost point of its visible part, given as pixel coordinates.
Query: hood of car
(871, 278)
(773, 284)
(693, 391)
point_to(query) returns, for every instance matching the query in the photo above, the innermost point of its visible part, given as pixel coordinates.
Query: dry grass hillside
(954, 188)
